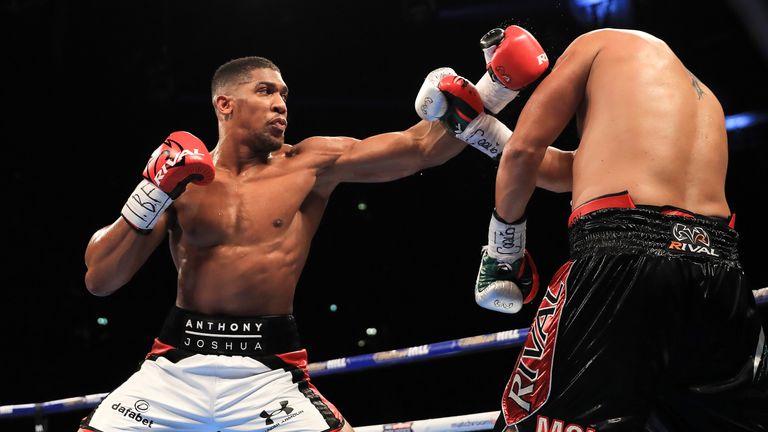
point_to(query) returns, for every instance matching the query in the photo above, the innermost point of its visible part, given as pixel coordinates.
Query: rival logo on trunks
(528, 388)
(134, 414)
(694, 240)
(557, 425)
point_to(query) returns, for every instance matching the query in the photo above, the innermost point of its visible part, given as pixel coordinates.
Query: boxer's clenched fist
(182, 158)
(456, 102)
(507, 277)
(514, 59)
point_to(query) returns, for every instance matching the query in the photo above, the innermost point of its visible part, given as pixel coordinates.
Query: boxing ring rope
(460, 423)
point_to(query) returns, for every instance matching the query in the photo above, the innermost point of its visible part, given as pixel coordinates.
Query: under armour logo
(268, 415)
(696, 235)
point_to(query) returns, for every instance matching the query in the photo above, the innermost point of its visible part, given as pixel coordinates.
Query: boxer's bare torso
(648, 126)
(240, 243)
(657, 131)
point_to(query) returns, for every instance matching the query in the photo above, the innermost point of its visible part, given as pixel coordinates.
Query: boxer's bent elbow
(527, 155)
(99, 285)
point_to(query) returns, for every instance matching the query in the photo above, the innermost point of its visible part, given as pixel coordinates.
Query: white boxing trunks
(213, 373)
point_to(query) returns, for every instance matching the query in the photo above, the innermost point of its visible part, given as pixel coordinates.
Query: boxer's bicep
(393, 155)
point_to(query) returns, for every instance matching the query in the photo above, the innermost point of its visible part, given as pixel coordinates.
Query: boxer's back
(648, 126)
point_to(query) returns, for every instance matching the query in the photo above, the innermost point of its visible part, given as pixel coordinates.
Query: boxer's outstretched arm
(387, 156)
(393, 155)
(546, 114)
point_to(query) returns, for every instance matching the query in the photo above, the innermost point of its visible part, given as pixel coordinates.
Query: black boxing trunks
(650, 326)
(215, 373)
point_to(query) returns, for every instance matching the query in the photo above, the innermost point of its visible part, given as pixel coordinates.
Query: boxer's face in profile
(262, 107)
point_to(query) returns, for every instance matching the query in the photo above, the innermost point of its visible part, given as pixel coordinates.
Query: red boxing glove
(457, 104)
(514, 59)
(182, 158)
(466, 118)
(464, 103)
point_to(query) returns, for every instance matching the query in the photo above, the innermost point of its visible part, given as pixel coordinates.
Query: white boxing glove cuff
(506, 242)
(488, 53)
(494, 95)
(145, 205)
(487, 134)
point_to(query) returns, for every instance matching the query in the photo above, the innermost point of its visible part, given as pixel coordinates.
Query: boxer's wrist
(145, 206)
(495, 96)
(487, 134)
(507, 277)
(506, 241)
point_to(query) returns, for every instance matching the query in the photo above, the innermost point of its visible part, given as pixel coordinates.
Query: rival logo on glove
(170, 163)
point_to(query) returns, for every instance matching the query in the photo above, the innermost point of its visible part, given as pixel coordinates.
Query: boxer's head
(238, 71)
(249, 94)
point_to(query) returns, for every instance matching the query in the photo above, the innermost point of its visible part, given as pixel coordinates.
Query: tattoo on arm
(695, 84)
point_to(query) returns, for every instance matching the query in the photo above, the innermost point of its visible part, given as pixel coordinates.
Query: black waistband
(227, 335)
(651, 231)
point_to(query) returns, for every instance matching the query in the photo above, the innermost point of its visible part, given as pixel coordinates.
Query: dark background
(92, 87)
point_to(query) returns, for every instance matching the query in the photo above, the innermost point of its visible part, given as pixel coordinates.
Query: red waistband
(623, 200)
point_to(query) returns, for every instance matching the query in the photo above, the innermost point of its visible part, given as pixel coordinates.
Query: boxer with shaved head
(240, 220)
(651, 324)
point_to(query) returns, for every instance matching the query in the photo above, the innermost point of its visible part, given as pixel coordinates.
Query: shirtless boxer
(240, 221)
(651, 324)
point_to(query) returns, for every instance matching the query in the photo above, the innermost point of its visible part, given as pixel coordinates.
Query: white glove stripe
(506, 242)
(487, 134)
(145, 205)
(488, 53)
(494, 95)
